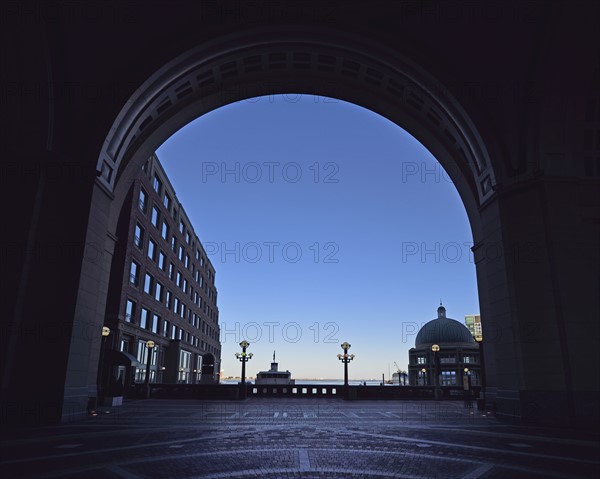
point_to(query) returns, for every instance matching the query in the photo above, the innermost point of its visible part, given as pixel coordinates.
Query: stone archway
(529, 187)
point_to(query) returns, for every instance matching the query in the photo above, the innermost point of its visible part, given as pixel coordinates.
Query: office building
(473, 324)
(161, 289)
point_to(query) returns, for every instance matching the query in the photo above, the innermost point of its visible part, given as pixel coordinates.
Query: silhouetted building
(162, 288)
(457, 351)
(274, 376)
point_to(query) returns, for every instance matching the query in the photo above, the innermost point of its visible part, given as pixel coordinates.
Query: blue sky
(325, 223)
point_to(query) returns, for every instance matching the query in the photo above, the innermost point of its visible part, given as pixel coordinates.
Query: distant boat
(274, 376)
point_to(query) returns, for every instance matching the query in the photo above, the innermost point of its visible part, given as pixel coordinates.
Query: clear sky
(325, 223)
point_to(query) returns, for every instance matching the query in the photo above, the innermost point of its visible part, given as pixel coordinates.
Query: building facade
(457, 354)
(162, 289)
(473, 324)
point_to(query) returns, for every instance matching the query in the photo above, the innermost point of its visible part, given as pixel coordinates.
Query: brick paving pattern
(297, 438)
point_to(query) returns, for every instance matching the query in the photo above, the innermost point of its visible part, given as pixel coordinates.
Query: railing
(301, 390)
(313, 391)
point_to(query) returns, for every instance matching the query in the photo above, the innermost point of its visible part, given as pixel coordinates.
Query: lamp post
(479, 340)
(150, 346)
(437, 393)
(243, 357)
(423, 376)
(100, 385)
(467, 387)
(345, 358)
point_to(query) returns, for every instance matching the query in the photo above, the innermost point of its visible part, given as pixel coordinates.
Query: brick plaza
(297, 438)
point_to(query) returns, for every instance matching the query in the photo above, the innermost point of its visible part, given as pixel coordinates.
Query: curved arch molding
(223, 67)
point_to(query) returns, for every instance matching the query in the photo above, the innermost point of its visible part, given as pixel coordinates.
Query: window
(421, 360)
(167, 202)
(181, 252)
(178, 282)
(173, 331)
(185, 362)
(143, 200)
(155, 219)
(134, 273)
(181, 226)
(138, 239)
(188, 237)
(142, 352)
(168, 300)
(165, 328)
(171, 271)
(162, 260)
(198, 254)
(448, 378)
(176, 305)
(182, 312)
(152, 250)
(158, 291)
(164, 231)
(174, 243)
(148, 280)
(157, 184)
(448, 359)
(144, 316)
(187, 261)
(130, 308)
(184, 287)
(155, 320)
(124, 346)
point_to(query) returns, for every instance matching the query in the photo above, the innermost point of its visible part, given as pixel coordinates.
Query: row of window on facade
(163, 226)
(448, 378)
(161, 326)
(155, 288)
(448, 359)
(158, 256)
(185, 370)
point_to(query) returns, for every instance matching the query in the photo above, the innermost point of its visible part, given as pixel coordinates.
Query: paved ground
(297, 438)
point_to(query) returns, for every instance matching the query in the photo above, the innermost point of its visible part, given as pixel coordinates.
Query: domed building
(445, 347)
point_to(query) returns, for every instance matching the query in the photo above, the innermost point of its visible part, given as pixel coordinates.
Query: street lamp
(243, 357)
(479, 340)
(467, 387)
(150, 346)
(345, 358)
(105, 333)
(423, 376)
(437, 393)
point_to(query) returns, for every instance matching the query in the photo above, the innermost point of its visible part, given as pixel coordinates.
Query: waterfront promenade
(297, 438)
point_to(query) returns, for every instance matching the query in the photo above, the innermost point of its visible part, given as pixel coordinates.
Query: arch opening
(216, 75)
